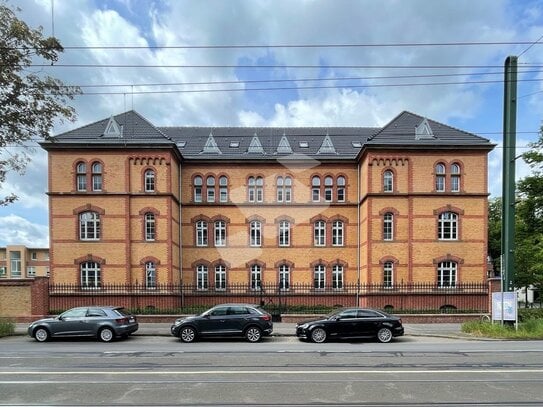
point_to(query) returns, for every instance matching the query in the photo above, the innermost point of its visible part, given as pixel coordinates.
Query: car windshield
(334, 314)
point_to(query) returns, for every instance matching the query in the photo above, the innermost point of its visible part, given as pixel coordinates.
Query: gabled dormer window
(113, 129)
(255, 146)
(327, 147)
(211, 146)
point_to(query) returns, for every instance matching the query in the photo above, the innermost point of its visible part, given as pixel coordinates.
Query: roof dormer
(424, 131)
(327, 147)
(284, 146)
(211, 146)
(255, 146)
(113, 129)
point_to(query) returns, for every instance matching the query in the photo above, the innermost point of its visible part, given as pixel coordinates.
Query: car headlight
(303, 326)
(179, 321)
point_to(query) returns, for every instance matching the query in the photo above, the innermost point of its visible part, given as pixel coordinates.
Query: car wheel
(318, 335)
(41, 335)
(187, 334)
(106, 334)
(253, 334)
(384, 335)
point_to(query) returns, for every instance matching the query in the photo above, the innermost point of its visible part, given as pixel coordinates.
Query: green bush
(526, 314)
(7, 328)
(531, 329)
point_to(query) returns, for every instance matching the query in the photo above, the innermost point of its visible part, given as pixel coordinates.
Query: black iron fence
(296, 298)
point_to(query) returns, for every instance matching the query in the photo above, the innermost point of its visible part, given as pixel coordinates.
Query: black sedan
(351, 323)
(246, 320)
(104, 323)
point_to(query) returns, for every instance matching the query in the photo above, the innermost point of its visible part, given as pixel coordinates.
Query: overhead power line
(303, 66)
(334, 79)
(147, 92)
(338, 45)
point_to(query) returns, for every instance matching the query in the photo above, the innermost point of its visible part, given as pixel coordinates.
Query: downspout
(181, 233)
(358, 234)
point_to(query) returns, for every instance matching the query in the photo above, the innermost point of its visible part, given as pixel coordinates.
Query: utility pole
(508, 181)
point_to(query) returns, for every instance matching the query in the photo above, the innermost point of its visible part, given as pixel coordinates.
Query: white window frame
(256, 277)
(337, 277)
(284, 277)
(89, 226)
(223, 189)
(388, 226)
(220, 277)
(316, 189)
(255, 233)
(96, 175)
(447, 226)
(202, 278)
(150, 178)
(201, 233)
(447, 273)
(388, 181)
(198, 187)
(150, 227)
(440, 184)
(319, 277)
(388, 274)
(90, 275)
(319, 233)
(220, 233)
(150, 275)
(338, 233)
(284, 233)
(81, 176)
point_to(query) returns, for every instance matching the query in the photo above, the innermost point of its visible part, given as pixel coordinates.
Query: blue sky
(470, 104)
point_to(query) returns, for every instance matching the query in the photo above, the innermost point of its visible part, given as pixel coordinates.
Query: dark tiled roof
(233, 143)
(134, 130)
(401, 131)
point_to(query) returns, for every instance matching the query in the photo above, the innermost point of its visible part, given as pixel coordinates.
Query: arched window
(96, 169)
(220, 233)
(150, 226)
(89, 226)
(284, 277)
(319, 233)
(341, 188)
(150, 275)
(455, 178)
(315, 189)
(223, 189)
(319, 274)
(388, 226)
(220, 277)
(328, 189)
(337, 277)
(90, 275)
(201, 277)
(256, 277)
(337, 233)
(210, 184)
(446, 274)
(256, 189)
(149, 181)
(440, 177)
(259, 189)
(255, 233)
(284, 189)
(198, 182)
(388, 274)
(388, 181)
(201, 233)
(447, 226)
(81, 176)
(284, 233)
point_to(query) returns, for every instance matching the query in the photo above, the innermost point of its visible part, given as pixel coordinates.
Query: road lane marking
(266, 372)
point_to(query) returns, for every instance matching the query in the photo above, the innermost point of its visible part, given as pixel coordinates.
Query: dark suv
(246, 320)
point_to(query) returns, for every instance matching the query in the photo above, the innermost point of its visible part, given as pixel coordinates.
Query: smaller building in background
(18, 261)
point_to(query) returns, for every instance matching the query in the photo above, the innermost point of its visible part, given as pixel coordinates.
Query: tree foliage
(30, 101)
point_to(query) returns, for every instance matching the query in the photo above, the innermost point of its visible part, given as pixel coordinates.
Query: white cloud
(18, 230)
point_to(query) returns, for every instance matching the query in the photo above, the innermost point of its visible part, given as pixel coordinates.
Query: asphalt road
(279, 371)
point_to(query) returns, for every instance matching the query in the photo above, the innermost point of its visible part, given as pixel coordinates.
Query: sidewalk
(289, 329)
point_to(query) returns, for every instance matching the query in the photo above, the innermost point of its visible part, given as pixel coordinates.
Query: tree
(30, 102)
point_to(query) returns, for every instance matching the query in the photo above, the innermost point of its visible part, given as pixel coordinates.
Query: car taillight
(266, 317)
(122, 321)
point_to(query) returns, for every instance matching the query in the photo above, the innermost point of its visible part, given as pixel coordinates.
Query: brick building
(134, 203)
(19, 261)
